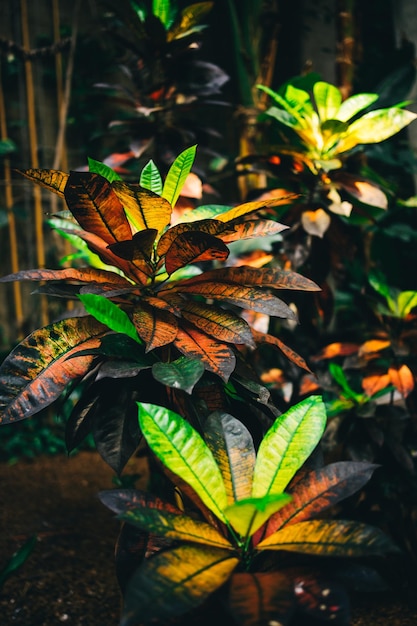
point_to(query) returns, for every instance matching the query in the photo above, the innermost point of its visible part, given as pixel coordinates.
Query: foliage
(244, 515)
(17, 560)
(153, 305)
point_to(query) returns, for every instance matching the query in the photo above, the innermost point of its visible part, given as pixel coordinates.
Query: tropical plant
(152, 321)
(234, 529)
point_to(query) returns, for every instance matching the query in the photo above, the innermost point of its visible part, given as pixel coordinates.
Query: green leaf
(328, 100)
(339, 376)
(175, 527)
(337, 538)
(97, 167)
(287, 444)
(177, 174)
(406, 302)
(17, 559)
(163, 10)
(183, 373)
(247, 516)
(150, 178)
(354, 104)
(174, 582)
(182, 450)
(108, 313)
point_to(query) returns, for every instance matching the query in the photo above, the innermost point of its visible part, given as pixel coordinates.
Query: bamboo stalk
(33, 147)
(14, 253)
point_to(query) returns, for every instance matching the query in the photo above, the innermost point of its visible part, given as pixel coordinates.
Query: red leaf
(216, 356)
(193, 247)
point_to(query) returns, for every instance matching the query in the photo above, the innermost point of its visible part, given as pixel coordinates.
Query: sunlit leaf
(144, 208)
(250, 229)
(183, 373)
(374, 383)
(320, 489)
(287, 444)
(155, 326)
(338, 538)
(174, 582)
(402, 378)
(374, 345)
(369, 194)
(108, 313)
(354, 104)
(328, 100)
(406, 302)
(190, 17)
(37, 371)
(216, 356)
(252, 207)
(218, 323)
(315, 222)
(232, 446)
(247, 516)
(53, 180)
(182, 450)
(104, 170)
(261, 598)
(150, 178)
(177, 175)
(194, 247)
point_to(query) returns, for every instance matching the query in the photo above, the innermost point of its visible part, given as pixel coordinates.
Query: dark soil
(69, 577)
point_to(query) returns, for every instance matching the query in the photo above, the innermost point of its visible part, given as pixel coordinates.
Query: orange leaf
(53, 180)
(156, 327)
(373, 345)
(145, 208)
(237, 230)
(193, 247)
(216, 356)
(374, 383)
(402, 378)
(251, 207)
(308, 384)
(337, 349)
(218, 323)
(210, 226)
(289, 352)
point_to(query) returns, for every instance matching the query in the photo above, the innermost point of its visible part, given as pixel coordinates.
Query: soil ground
(69, 577)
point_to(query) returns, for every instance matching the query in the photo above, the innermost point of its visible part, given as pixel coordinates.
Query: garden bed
(69, 577)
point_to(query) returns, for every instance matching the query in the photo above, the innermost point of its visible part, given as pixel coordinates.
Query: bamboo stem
(33, 147)
(14, 253)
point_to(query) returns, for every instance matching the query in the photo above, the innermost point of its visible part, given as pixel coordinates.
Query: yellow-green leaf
(328, 100)
(144, 208)
(177, 175)
(247, 516)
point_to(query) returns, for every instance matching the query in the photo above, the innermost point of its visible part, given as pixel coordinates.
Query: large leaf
(139, 248)
(194, 247)
(182, 450)
(150, 178)
(108, 313)
(218, 323)
(183, 373)
(53, 180)
(36, 372)
(216, 356)
(328, 100)
(83, 275)
(261, 598)
(209, 226)
(287, 444)
(177, 174)
(329, 538)
(96, 207)
(155, 326)
(320, 489)
(248, 515)
(174, 582)
(175, 527)
(354, 104)
(232, 446)
(144, 208)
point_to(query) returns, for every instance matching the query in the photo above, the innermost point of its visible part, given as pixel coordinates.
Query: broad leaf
(84, 275)
(354, 104)
(329, 538)
(209, 226)
(315, 222)
(139, 248)
(183, 373)
(402, 378)
(194, 247)
(320, 489)
(96, 207)
(144, 208)
(53, 180)
(177, 174)
(156, 327)
(108, 313)
(175, 527)
(150, 178)
(182, 450)
(218, 323)
(261, 598)
(287, 445)
(406, 302)
(216, 356)
(237, 230)
(232, 446)
(97, 167)
(174, 582)
(328, 100)
(37, 371)
(248, 515)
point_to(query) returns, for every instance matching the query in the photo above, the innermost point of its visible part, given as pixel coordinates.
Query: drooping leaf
(108, 313)
(174, 582)
(182, 450)
(175, 527)
(216, 356)
(232, 446)
(261, 338)
(183, 373)
(82, 275)
(150, 178)
(261, 598)
(155, 326)
(53, 180)
(37, 371)
(194, 247)
(248, 515)
(218, 323)
(96, 207)
(287, 444)
(144, 208)
(97, 167)
(329, 538)
(177, 174)
(320, 489)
